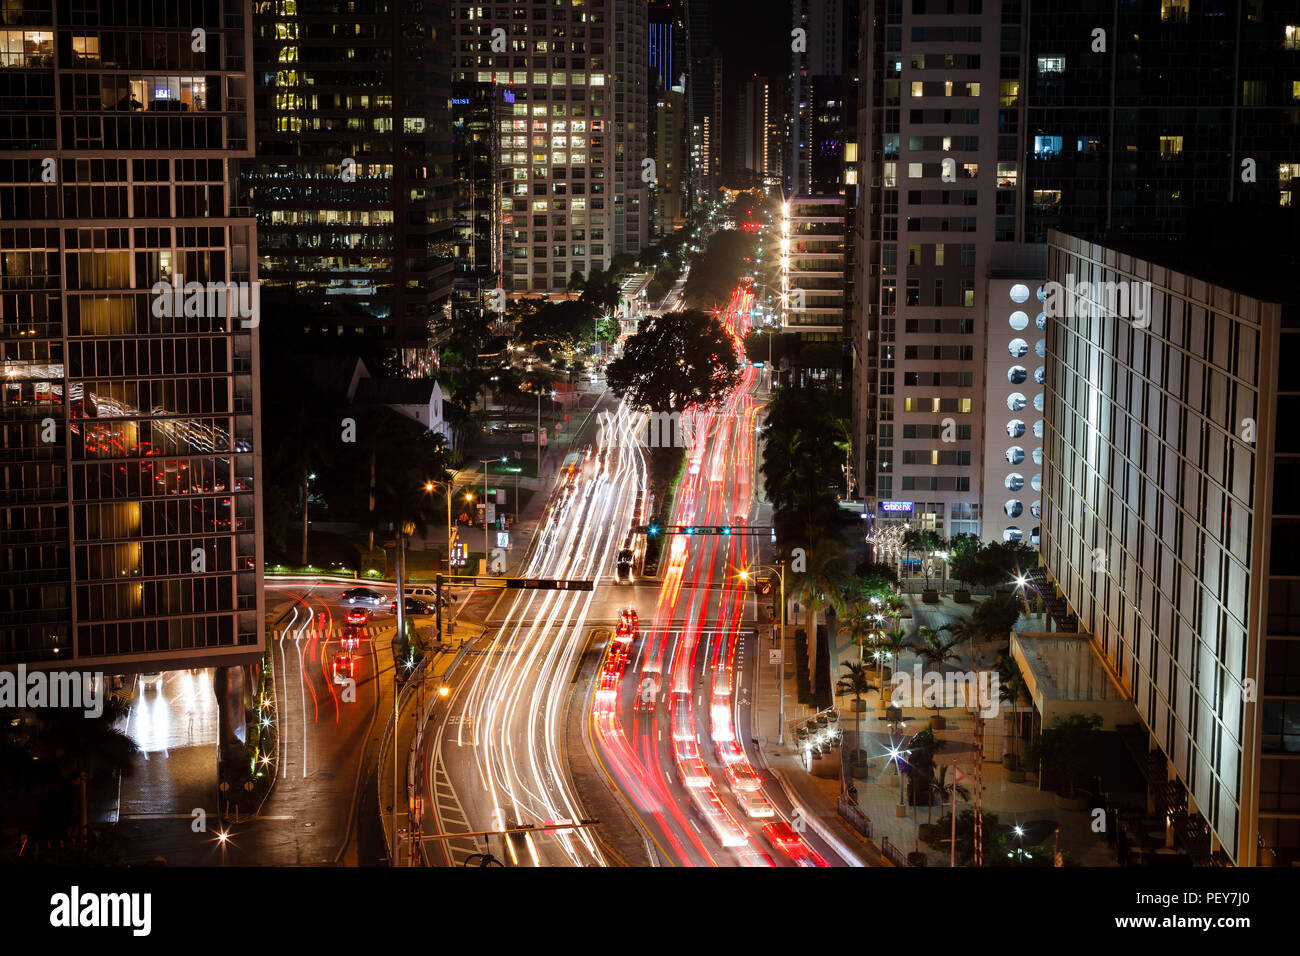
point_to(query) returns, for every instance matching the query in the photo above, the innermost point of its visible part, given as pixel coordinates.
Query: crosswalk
(334, 632)
(451, 817)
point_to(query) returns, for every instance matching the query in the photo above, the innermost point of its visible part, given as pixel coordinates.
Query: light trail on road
(500, 741)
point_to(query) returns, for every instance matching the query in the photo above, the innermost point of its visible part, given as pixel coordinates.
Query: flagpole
(952, 849)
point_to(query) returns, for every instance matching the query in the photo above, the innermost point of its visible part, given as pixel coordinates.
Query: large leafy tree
(561, 325)
(676, 361)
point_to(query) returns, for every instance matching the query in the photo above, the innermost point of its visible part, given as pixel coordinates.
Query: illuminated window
(1171, 147)
(1056, 64)
(917, 87)
(963, 405)
(914, 170)
(1292, 39)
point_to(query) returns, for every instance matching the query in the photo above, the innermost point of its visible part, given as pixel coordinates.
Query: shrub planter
(900, 810)
(1011, 764)
(1077, 800)
(858, 706)
(938, 722)
(917, 859)
(860, 771)
(961, 596)
(930, 595)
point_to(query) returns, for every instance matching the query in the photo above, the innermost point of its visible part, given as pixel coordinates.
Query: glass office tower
(129, 457)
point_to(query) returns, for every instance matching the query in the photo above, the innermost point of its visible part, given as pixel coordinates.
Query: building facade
(936, 202)
(131, 465)
(352, 183)
(558, 141)
(479, 233)
(1168, 449)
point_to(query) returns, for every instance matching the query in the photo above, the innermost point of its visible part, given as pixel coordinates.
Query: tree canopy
(675, 361)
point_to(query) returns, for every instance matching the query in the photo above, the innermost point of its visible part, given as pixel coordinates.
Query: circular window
(1013, 507)
(1018, 347)
(1040, 374)
(1038, 428)
(1033, 536)
(1041, 320)
(1019, 292)
(1012, 534)
(1036, 509)
(1038, 401)
(1038, 456)
(1041, 294)
(1019, 321)
(1015, 428)
(1015, 481)
(1016, 401)
(1036, 482)
(1040, 348)
(1015, 454)
(1017, 374)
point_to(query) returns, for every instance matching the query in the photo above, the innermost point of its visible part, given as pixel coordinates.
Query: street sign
(774, 655)
(529, 438)
(503, 539)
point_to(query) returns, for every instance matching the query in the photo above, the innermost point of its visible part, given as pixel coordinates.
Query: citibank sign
(896, 507)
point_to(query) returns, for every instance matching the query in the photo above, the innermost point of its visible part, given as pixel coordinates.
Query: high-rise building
(352, 182)
(130, 465)
(1173, 105)
(632, 93)
(821, 76)
(930, 233)
(1171, 389)
(558, 139)
(669, 192)
(757, 139)
(479, 233)
(704, 93)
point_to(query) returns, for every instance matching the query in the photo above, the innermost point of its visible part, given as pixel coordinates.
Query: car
(357, 616)
(362, 596)
(741, 777)
(630, 617)
(782, 836)
(754, 804)
(151, 679)
(413, 606)
(351, 638)
(343, 668)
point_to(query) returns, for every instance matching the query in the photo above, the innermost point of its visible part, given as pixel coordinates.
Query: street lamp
(430, 486)
(744, 575)
(485, 462)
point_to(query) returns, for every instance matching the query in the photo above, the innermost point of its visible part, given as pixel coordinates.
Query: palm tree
(1010, 684)
(857, 621)
(821, 586)
(83, 747)
(934, 650)
(892, 643)
(938, 784)
(963, 632)
(856, 682)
